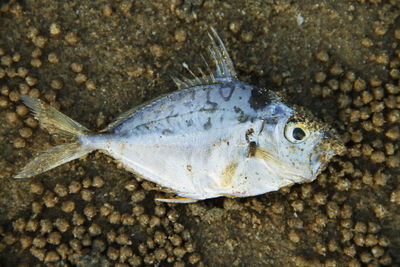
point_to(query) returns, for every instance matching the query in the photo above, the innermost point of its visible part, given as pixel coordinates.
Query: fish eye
(296, 132)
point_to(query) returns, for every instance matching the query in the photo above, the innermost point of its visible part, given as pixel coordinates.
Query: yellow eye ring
(296, 132)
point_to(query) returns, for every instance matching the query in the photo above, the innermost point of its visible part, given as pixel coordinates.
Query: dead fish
(216, 136)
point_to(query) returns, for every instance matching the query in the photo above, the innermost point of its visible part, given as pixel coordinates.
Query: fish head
(295, 146)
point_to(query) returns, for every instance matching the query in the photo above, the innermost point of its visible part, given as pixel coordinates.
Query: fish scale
(206, 101)
(199, 112)
(216, 136)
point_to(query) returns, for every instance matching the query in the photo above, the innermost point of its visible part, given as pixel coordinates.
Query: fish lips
(325, 152)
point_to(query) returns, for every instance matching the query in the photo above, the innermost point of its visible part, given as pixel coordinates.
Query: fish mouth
(319, 162)
(325, 152)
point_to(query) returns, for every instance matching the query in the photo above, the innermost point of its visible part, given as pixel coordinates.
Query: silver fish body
(216, 136)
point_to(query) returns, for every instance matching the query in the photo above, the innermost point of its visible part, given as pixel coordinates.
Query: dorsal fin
(224, 72)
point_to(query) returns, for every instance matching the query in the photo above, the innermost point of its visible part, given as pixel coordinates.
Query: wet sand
(339, 59)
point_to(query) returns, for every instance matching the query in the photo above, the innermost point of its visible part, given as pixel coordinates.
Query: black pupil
(298, 134)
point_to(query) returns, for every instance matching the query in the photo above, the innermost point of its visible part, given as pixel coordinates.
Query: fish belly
(198, 165)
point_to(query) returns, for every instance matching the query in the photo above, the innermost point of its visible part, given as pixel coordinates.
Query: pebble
(194, 258)
(80, 78)
(50, 199)
(87, 194)
(76, 67)
(39, 41)
(336, 69)
(3, 102)
(90, 85)
(144, 219)
(14, 96)
(393, 133)
(380, 211)
(6, 60)
(106, 209)
(22, 72)
(378, 119)
(380, 28)
(176, 240)
(346, 86)
(26, 132)
(25, 241)
(375, 81)
(35, 62)
(107, 11)
(5, 91)
(112, 253)
(19, 142)
(53, 58)
(322, 56)
(180, 35)
(55, 29)
(74, 187)
(320, 77)
(95, 229)
(2, 73)
(32, 225)
(71, 38)
(62, 225)
(385, 260)
(68, 206)
(156, 50)
(127, 219)
(56, 84)
(61, 190)
(38, 253)
(123, 239)
(234, 26)
(395, 196)
(22, 110)
(31, 81)
(31, 122)
(382, 58)
(11, 73)
(19, 225)
(87, 182)
(115, 217)
(78, 231)
(367, 42)
(392, 89)
(359, 239)
(397, 34)
(350, 251)
(247, 37)
(36, 53)
(54, 238)
(98, 182)
(90, 211)
(39, 241)
(16, 57)
(138, 196)
(160, 254)
(395, 74)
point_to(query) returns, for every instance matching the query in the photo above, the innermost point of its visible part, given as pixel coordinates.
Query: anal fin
(177, 200)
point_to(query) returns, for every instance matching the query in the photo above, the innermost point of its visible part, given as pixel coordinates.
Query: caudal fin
(56, 123)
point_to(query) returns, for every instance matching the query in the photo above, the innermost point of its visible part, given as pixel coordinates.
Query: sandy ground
(95, 59)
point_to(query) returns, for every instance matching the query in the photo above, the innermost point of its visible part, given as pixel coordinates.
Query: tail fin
(56, 123)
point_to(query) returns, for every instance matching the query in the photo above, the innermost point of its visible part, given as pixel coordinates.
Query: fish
(213, 137)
